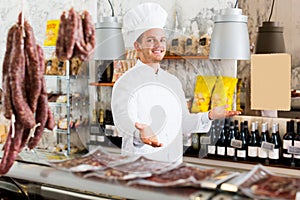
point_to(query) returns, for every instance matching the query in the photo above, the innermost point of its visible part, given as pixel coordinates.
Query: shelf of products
(68, 99)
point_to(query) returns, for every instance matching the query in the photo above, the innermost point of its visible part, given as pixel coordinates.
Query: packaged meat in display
(142, 165)
(95, 160)
(262, 184)
(114, 174)
(187, 175)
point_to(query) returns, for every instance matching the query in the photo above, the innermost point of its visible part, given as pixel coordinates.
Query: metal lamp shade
(109, 40)
(270, 39)
(230, 37)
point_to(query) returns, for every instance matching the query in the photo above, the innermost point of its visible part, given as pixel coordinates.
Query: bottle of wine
(230, 151)
(195, 144)
(274, 156)
(253, 144)
(236, 129)
(246, 130)
(279, 137)
(221, 143)
(211, 148)
(241, 153)
(288, 140)
(297, 144)
(265, 137)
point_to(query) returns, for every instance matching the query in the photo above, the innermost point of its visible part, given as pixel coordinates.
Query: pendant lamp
(270, 37)
(230, 37)
(109, 39)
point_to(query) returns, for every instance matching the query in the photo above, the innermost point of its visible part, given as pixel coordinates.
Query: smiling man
(148, 103)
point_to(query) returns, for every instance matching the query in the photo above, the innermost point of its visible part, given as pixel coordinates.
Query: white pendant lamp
(230, 37)
(109, 39)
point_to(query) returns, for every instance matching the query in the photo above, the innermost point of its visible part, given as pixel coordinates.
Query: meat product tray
(187, 175)
(133, 168)
(95, 160)
(262, 184)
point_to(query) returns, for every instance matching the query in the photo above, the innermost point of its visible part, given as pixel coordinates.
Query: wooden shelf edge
(185, 57)
(102, 84)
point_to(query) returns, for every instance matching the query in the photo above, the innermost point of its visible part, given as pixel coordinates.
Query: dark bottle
(274, 156)
(297, 144)
(221, 143)
(195, 144)
(101, 120)
(265, 137)
(110, 130)
(278, 136)
(288, 140)
(211, 148)
(241, 153)
(105, 71)
(236, 129)
(246, 130)
(204, 140)
(253, 144)
(230, 151)
(187, 145)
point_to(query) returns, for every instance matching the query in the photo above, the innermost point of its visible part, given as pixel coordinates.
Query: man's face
(152, 46)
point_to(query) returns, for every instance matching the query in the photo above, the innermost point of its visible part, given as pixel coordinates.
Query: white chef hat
(142, 18)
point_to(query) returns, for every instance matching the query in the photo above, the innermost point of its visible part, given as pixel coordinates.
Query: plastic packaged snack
(223, 92)
(202, 93)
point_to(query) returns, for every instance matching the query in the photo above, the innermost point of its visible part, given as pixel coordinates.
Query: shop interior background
(186, 16)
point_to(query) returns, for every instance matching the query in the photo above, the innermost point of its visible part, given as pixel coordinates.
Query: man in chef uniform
(148, 104)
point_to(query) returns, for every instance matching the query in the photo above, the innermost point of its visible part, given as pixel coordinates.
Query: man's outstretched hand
(220, 112)
(147, 135)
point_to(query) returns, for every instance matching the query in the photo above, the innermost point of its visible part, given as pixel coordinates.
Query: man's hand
(147, 135)
(220, 112)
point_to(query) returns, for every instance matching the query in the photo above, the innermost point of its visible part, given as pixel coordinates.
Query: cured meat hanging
(24, 92)
(76, 36)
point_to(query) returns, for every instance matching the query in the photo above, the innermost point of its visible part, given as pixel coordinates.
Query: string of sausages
(76, 36)
(24, 92)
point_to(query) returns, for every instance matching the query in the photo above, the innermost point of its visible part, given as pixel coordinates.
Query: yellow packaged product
(223, 92)
(51, 32)
(202, 94)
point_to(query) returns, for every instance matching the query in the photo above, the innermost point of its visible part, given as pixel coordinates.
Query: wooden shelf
(185, 57)
(102, 84)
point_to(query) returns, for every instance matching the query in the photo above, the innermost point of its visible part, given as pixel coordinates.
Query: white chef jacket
(155, 99)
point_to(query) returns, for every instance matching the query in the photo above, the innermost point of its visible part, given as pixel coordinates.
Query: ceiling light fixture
(230, 37)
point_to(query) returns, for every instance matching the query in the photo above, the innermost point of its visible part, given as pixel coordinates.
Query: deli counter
(38, 180)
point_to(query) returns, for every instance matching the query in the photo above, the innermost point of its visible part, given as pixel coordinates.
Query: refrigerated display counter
(38, 180)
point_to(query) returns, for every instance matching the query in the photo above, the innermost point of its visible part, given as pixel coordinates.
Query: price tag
(236, 143)
(95, 129)
(267, 146)
(294, 150)
(205, 140)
